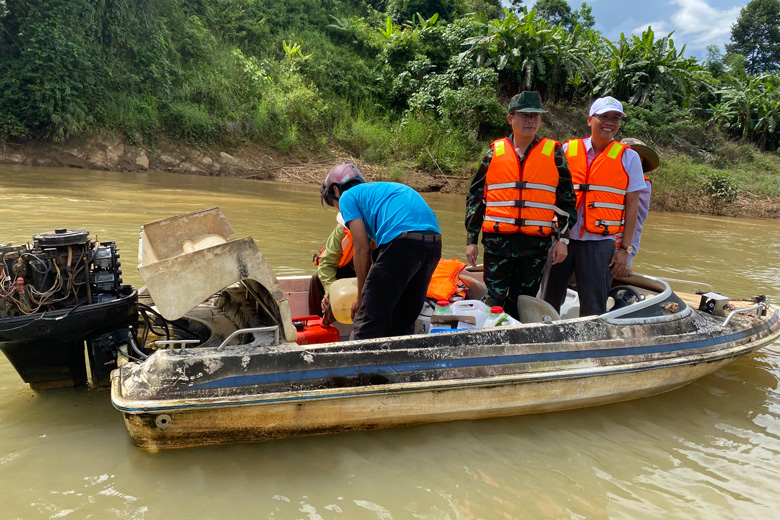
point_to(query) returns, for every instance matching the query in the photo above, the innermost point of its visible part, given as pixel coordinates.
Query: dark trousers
(589, 261)
(395, 288)
(317, 291)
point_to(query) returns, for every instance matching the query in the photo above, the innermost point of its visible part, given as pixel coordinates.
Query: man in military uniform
(521, 198)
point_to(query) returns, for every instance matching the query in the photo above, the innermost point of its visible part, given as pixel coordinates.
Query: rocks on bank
(249, 161)
(104, 153)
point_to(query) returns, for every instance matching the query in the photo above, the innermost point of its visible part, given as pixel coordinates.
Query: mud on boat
(230, 369)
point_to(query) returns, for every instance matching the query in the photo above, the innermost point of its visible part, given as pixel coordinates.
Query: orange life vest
(445, 282)
(601, 187)
(347, 250)
(521, 199)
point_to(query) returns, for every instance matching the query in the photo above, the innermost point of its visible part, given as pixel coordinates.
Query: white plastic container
(474, 308)
(422, 324)
(452, 324)
(458, 315)
(571, 305)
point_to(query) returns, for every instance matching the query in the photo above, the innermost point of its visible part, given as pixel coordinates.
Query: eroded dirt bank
(253, 162)
(250, 162)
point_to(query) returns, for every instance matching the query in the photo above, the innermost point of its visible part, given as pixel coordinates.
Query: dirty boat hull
(282, 392)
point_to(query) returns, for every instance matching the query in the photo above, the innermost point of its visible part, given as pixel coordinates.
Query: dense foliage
(402, 80)
(756, 35)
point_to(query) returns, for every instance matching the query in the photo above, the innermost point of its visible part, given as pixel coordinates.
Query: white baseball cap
(606, 104)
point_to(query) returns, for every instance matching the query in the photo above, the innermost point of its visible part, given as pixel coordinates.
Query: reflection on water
(709, 450)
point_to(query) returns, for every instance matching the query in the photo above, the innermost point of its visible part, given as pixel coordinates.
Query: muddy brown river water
(708, 450)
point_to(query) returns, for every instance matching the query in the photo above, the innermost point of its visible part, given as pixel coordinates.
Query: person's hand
(619, 264)
(324, 304)
(559, 252)
(472, 252)
(356, 306)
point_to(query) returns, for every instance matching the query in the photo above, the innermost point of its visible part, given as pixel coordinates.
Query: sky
(696, 23)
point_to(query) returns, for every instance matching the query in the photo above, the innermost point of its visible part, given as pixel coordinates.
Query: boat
(64, 310)
(231, 368)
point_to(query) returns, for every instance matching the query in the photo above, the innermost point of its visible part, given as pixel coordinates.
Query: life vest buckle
(584, 187)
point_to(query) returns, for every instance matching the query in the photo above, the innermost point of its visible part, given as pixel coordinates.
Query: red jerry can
(311, 331)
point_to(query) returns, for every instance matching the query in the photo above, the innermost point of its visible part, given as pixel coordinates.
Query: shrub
(721, 189)
(190, 122)
(662, 122)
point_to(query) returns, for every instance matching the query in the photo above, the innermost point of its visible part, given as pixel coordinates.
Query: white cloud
(701, 24)
(660, 28)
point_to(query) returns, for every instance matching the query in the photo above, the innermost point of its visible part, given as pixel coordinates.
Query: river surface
(709, 450)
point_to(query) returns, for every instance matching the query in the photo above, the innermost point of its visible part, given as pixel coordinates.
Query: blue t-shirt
(387, 209)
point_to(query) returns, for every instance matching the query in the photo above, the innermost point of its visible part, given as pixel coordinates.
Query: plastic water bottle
(442, 307)
(498, 318)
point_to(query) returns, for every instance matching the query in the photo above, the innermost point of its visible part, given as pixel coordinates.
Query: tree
(756, 35)
(404, 10)
(714, 62)
(557, 12)
(584, 16)
(515, 6)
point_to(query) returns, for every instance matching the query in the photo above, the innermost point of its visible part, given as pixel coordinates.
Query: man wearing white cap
(607, 177)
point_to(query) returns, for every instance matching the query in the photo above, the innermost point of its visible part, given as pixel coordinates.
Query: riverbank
(674, 190)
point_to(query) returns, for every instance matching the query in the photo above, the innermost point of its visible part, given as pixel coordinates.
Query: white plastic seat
(534, 310)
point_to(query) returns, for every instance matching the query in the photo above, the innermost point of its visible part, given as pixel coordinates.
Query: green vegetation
(413, 83)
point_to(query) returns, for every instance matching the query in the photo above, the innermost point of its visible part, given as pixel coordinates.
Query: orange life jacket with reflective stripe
(445, 282)
(521, 199)
(347, 250)
(601, 187)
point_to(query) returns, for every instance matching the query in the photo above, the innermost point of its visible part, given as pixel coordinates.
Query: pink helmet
(340, 175)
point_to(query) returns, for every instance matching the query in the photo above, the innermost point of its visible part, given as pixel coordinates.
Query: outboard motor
(58, 295)
(63, 268)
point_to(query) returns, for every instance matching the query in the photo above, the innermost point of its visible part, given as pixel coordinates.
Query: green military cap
(528, 101)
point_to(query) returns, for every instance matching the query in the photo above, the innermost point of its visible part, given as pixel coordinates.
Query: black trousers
(395, 288)
(589, 261)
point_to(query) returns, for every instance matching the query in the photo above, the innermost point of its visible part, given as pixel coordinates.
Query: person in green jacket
(333, 262)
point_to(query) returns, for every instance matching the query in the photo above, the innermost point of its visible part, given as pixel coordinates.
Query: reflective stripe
(539, 223)
(573, 149)
(607, 205)
(505, 220)
(543, 187)
(549, 146)
(608, 189)
(499, 149)
(609, 222)
(520, 186)
(503, 186)
(521, 204)
(521, 222)
(613, 152)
